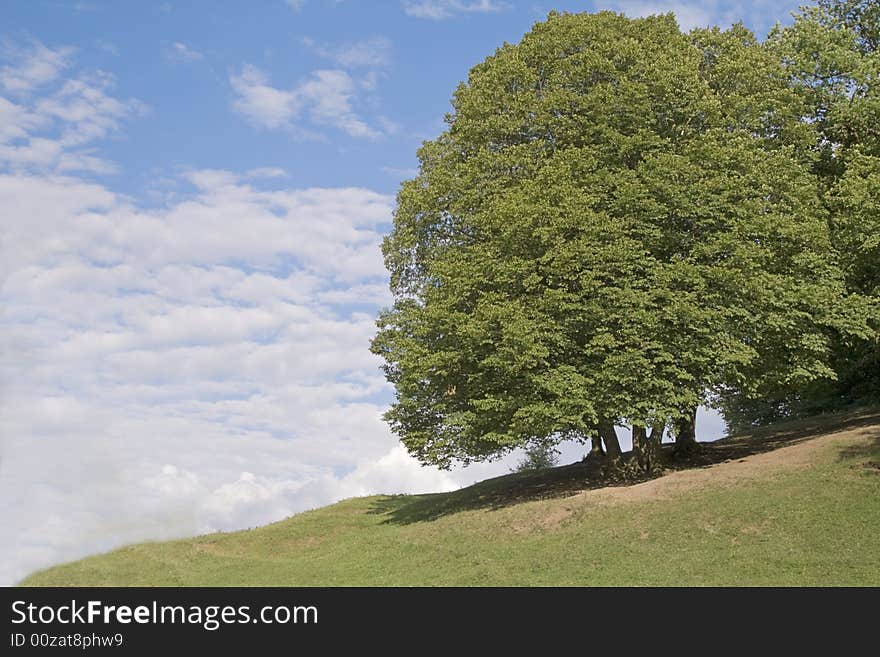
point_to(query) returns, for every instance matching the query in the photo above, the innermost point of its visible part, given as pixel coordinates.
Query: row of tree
(622, 222)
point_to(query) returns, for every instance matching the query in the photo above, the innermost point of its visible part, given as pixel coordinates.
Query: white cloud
(329, 95)
(440, 9)
(224, 334)
(208, 179)
(180, 52)
(374, 52)
(85, 110)
(325, 98)
(251, 500)
(389, 127)
(296, 5)
(370, 80)
(16, 121)
(55, 130)
(760, 14)
(32, 66)
(267, 172)
(259, 102)
(687, 15)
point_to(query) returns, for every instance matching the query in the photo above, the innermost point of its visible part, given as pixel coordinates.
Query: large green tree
(831, 59)
(619, 222)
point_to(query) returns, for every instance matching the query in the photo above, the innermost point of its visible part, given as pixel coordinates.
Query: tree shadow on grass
(574, 478)
(867, 454)
(767, 439)
(493, 493)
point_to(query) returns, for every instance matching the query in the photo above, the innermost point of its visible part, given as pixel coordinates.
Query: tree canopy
(619, 223)
(830, 56)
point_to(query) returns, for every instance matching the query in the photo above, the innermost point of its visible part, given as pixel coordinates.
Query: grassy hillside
(797, 504)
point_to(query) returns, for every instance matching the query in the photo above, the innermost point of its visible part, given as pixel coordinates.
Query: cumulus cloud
(55, 131)
(325, 98)
(262, 104)
(440, 9)
(225, 334)
(329, 95)
(252, 500)
(168, 370)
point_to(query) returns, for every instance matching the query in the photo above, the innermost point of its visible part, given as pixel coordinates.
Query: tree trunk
(609, 437)
(640, 445)
(646, 450)
(640, 437)
(596, 452)
(686, 434)
(657, 430)
(640, 442)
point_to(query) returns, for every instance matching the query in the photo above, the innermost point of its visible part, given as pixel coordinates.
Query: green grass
(816, 524)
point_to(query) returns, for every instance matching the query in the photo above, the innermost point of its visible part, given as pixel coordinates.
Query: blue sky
(181, 59)
(193, 196)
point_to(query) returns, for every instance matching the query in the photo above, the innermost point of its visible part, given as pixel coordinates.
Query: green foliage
(855, 202)
(619, 223)
(830, 53)
(537, 457)
(831, 57)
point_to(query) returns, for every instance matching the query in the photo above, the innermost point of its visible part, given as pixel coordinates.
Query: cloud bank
(193, 367)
